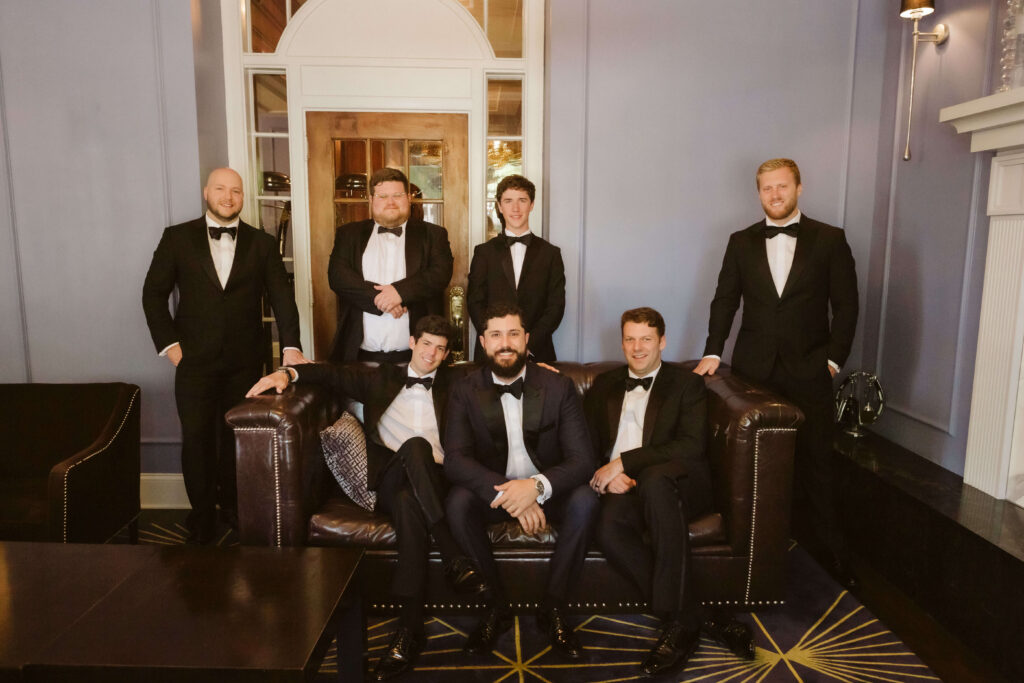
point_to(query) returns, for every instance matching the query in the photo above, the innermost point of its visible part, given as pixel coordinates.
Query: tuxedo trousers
(815, 485)
(660, 569)
(573, 514)
(411, 491)
(203, 394)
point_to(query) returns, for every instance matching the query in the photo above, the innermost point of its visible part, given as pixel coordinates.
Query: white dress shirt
(412, 414)
(222, 250)
(780, 251)
(519, 465)
(518, 254)
(384, 263)
(631, 419)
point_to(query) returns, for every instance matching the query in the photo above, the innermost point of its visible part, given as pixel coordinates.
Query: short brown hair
(502, 310)
(644, 316)
(387, 175)
(774, 165)
(435, 325)
(513, 182)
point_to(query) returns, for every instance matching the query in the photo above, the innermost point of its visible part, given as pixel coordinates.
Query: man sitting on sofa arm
(404, 407)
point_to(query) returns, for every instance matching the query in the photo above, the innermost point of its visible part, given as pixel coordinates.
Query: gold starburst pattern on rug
(847, 643)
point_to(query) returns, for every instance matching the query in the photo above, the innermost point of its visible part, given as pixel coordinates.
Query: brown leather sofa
(286, 497)
(69, 465)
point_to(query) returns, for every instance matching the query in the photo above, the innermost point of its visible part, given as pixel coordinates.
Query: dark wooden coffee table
(120, 613)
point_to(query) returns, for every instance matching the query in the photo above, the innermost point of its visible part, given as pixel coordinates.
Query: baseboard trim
(163, 492)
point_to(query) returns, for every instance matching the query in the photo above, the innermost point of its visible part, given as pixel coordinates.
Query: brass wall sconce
(915, 9)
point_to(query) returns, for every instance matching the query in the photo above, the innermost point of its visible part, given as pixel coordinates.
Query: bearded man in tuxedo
(796, 279)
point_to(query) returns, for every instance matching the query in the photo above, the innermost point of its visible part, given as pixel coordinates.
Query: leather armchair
(286, 496)
(69, 468)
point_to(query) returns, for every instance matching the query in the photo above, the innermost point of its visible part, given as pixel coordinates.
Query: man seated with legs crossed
(516, 446)
(648, 422)
(404, 406)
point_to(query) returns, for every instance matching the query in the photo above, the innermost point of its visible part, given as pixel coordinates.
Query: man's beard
(216, 212)
(506, 371)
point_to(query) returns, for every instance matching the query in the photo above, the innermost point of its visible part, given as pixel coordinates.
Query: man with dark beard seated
(516, 446)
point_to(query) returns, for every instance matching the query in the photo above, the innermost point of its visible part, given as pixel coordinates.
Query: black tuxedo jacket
(675, 427)
(214, 323)
(794, 327)
(554, 431)
(375, 388)
(428, 268)
(541, 290)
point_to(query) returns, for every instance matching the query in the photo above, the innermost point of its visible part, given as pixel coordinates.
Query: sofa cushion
(344, 446)
(342, 522)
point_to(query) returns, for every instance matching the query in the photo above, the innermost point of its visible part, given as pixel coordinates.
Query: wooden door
(345, 148)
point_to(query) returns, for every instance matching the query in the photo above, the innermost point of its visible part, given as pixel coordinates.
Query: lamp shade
(910, 9)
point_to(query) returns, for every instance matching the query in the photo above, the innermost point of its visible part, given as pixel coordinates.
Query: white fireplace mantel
(995, 437)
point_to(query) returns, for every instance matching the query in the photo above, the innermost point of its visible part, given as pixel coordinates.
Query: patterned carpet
(822, 633)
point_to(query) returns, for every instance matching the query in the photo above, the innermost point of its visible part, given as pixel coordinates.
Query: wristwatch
(540, 487)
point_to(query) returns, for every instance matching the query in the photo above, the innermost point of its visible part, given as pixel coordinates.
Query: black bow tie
(215, 233)
(515, 389)
(397, 232)
(522, 239)
(634, 382)
(413, 381)
(771, 231)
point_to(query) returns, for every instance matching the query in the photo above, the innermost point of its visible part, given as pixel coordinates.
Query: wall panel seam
(584, 133)
(161, 109)
(844, 186)
(13, 214)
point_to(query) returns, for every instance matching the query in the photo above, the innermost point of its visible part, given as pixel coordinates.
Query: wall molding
(163, 491)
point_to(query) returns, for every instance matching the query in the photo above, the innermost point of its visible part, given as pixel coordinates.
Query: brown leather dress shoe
(563, 638)
(672, 651)
(400, 655)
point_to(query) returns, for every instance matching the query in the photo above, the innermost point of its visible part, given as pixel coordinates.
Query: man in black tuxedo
(516, 446)
(521, 268)
(789, 271)
(388, 272)
(405, 408)
(648, 422)
(222, 269)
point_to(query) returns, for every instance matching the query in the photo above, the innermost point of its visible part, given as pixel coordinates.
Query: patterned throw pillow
(344, 446)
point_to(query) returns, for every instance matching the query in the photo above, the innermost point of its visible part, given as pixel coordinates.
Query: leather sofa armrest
(752, 435)
(279, 464)
(94, 493)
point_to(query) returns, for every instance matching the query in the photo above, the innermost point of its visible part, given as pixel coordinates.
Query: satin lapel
(533, 406)
(805, 239)
(439, 395)
(505, 254)
(759, 251)
(614, 407)
(364, 239)
(202, 247)
(494, 416)
(243, 244)
(528, 261)
(413, 248)
(659, 390)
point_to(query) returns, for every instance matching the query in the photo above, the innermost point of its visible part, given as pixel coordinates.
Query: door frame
(333, 61)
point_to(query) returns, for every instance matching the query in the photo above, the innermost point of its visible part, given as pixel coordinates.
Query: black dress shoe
(495, 621)
(563, 638)
(400, 655)
(463, 576)
(731, 633)
(230, 517)
(672, 650)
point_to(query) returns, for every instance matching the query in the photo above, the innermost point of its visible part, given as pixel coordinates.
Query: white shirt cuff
(547, 488)
(168, 348)
(711, 355)
(833, 366)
